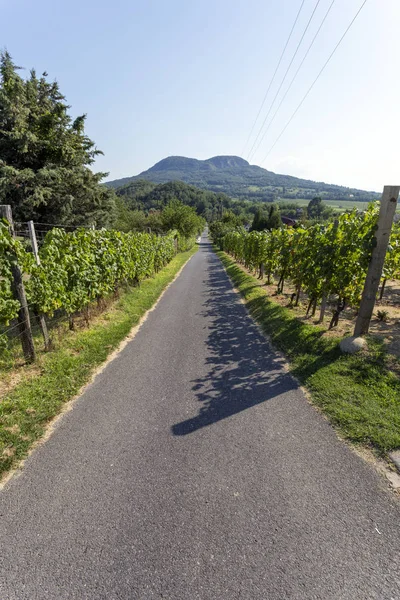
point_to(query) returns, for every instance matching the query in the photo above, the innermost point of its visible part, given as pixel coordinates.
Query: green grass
(359, 393)
(27, 409)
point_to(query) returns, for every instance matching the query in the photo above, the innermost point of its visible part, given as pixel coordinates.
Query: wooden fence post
(24, 321)
(374, 274)
(42, 320)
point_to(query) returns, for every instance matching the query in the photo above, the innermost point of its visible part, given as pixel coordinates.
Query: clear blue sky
(186, 77)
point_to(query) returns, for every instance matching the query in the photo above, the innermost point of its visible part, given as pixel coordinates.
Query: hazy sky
(187, 77)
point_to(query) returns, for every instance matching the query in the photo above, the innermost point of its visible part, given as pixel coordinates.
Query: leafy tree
(45, 156)
(269, 219)
(182, 218)
(317, 210)
(229, 218)
(155, 221)
(129, 220)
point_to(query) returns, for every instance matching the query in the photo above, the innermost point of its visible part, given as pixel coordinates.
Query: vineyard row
(80, 267)
(322, 260)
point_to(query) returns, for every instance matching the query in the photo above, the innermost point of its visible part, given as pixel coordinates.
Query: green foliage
(8, 251)
(268, 218)
(185, 243)
(323, 259)
(218, 231)
(391, 269)
(290, 209)
(260, 220)
(45, 155)
(230, 218)
(184, 219)
(141, 195)
(314, 208)
(274, 218)
(80, 267)
(147, 196)
(318, 211)
(382, 315)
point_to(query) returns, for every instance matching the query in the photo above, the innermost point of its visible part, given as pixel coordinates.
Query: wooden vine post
(386, 215)
(42, 320)
(24, 322)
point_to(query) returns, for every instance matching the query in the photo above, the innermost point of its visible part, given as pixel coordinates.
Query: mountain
(234, 176)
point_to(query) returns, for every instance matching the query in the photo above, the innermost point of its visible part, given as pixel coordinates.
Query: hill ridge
(234, 176)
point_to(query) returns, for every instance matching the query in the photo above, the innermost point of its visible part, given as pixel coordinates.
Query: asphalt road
(194, 468)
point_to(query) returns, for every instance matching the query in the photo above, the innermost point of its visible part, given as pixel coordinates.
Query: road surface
(194, 468)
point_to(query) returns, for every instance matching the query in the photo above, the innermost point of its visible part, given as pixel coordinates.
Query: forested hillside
(236, 177)
(142, 195)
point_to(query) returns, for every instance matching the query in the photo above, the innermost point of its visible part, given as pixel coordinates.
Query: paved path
(194, 468)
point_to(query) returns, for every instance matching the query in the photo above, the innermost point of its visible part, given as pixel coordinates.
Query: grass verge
(28, 408)
(359, 393)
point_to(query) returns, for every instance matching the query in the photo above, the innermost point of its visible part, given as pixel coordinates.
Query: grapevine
(80, 267)
(323, 260)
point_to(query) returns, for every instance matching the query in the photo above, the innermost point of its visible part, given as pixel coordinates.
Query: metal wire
(273, 76)
(295, 76)
(314, 82)
(252, 153)
(63, 226)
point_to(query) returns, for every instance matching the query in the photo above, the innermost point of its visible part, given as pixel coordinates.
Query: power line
(283, 79)
(315, 81)
(295, 75)
(273, 76)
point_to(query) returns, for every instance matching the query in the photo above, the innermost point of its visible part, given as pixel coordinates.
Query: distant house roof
(288, 221)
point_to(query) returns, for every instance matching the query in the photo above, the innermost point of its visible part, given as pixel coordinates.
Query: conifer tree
(45, 155)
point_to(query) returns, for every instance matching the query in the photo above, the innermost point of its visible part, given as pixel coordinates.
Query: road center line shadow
(243, 371)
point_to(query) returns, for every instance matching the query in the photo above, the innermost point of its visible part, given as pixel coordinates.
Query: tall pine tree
(45, 156)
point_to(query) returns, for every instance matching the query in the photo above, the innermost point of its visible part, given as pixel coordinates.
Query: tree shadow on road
(243, 370)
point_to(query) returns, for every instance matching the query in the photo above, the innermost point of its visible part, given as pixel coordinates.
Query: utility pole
(24, 321)
(42, 320)
(386, 215)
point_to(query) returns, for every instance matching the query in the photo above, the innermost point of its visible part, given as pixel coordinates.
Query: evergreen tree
(314, 208)
(270, 219)
(45, 156)
(259, 220)
(274, 220)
